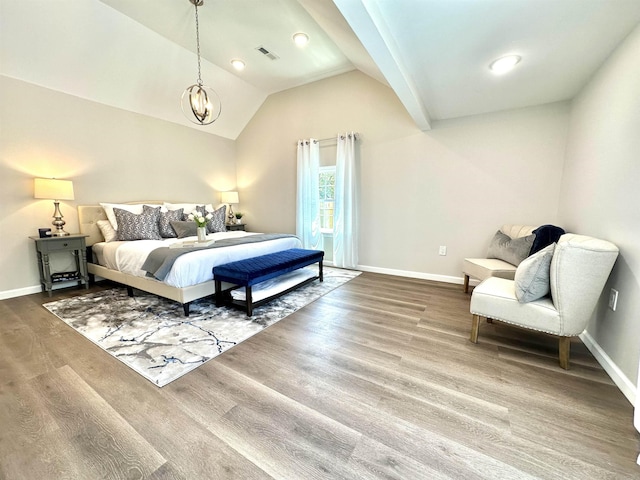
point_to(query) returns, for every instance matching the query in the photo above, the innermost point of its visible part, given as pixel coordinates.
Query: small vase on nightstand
(202, 234)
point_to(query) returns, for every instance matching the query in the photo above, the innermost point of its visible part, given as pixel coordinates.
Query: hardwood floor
(377, 379)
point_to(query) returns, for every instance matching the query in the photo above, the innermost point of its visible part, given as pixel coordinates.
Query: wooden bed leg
(320, 273)
(129, 291)
(475, 326)
(185, 307)
(249, 301)
(465, 285)
(564, 348)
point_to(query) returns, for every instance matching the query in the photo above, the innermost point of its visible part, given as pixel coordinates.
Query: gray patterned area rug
(151, 335)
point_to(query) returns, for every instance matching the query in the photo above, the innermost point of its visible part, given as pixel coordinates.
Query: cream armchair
(579, 268)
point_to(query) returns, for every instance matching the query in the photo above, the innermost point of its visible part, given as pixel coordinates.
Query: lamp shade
(53, 189)
(229, 197)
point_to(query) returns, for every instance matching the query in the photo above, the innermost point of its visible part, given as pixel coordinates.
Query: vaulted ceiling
(140, 55)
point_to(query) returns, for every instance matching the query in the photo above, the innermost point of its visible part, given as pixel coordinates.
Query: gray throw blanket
(159, 262)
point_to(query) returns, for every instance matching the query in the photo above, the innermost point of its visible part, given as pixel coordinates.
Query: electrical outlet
(443, 250)
(613, 299)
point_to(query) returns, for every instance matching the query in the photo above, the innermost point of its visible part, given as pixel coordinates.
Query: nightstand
(76, 245)
(233, 227)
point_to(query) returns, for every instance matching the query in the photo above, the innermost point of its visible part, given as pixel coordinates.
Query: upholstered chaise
(579, 268)
(481, 268)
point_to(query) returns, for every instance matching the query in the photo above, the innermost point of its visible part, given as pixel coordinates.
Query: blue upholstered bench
(251, 271)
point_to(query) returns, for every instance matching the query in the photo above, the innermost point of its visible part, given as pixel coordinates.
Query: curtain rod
(355, 134)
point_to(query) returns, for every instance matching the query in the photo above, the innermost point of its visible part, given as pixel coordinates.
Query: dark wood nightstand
(233, 227)
(76, 245)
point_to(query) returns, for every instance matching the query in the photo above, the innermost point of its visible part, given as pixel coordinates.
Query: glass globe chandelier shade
(200, 103)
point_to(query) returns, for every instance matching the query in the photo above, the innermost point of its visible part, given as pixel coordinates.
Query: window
(327, 186)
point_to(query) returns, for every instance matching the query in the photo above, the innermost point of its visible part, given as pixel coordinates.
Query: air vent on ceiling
(267, 53)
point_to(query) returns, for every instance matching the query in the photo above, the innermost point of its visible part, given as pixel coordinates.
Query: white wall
(454, 186)
(601, 194)
(110, 154)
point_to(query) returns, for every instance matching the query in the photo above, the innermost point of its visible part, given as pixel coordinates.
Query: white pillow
(107, 230)
(532, 278)
(108, 209)
(188, 207)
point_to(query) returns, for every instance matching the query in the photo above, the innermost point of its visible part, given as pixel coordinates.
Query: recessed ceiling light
(504, 64)
(238, 64)
(301, 39)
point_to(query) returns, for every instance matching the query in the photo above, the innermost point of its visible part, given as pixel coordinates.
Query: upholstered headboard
(88, 216)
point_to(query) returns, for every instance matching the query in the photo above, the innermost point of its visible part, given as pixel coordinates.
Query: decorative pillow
(218, 218)
(143, 226)
(545, 235)
(511, 250)
(108, 210)
(109, 234)
(198, 210)
(164, 222)
(533, 275)
(185, 228)
(187, 208)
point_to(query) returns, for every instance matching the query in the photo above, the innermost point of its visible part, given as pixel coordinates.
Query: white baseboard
(19, 292)
(410, 274)
(625, 385)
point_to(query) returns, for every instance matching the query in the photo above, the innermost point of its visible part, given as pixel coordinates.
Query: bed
(190, 277)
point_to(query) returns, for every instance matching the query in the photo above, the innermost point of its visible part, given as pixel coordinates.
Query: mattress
(191, 268)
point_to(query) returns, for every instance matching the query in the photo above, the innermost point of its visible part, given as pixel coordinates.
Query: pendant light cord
(198, 45)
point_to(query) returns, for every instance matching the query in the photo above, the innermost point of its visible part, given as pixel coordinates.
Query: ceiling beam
(367, 22)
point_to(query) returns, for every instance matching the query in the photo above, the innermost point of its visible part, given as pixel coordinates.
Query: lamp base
(231, 216)
(58, 222)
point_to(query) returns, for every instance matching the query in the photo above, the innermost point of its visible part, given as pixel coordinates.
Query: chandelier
(200, 103)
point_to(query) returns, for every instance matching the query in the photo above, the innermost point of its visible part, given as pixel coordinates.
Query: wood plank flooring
(375, 380)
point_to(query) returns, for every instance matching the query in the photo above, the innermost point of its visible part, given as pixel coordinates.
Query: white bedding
(191, 268)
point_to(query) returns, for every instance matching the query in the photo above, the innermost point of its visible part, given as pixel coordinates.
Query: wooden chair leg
(564, 349)
(475, 326)
(466, 284)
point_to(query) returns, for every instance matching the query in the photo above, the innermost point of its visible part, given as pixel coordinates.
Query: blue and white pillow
(164, 222)
(217, 222)
(143, 226)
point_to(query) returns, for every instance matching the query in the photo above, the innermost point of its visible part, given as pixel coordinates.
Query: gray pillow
(166, 230)
(217, 222)
(533, 275)
(143, 226)
(185, 228)
(511, 250)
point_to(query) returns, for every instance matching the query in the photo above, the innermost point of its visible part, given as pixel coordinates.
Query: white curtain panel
(636, 413)
(308, 196)
(345, 216)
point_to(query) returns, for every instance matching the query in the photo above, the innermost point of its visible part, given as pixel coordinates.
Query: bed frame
(88, 216)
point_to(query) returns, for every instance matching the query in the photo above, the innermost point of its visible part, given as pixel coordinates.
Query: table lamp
(55, 190)
(230, 198)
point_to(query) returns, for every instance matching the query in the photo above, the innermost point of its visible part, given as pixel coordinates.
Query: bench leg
(129, 291)
(465, 286)
(218, 284)
(320, 273)
(185, 307)
(249, 301)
